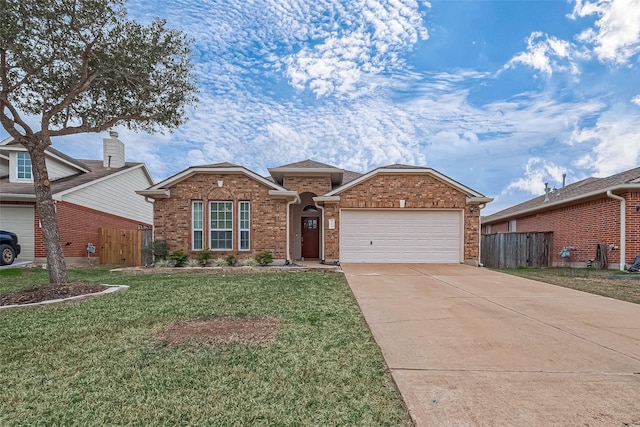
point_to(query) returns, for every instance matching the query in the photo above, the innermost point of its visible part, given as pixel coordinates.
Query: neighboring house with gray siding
(89, 194)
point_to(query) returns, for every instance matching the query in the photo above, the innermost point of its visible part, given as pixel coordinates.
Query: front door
(310, 238)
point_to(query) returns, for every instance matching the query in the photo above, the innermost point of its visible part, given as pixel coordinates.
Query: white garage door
(19, 219)
(378, 236)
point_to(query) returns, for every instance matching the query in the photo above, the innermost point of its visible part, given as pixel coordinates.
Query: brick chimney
(113, 150)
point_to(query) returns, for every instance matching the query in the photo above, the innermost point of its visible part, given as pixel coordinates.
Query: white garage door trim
(19, 219)
(401, 236)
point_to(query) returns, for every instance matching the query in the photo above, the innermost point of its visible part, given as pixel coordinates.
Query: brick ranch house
(88, 194)
(581, 215)
(309, 210)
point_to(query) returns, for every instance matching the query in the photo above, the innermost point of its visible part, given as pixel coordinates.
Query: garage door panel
(401, 236)
(19, 219)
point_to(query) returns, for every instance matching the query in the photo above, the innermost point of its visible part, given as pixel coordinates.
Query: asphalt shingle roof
(306, 164)
(572, 191)
(96, 171)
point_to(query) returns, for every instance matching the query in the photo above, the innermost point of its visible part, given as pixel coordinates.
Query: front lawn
(99, 361)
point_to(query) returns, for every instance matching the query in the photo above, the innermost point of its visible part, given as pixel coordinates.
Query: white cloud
(616, 37)
(547, 54)
(537, 172)
(615, 145)
(360, 38)
(636, 99)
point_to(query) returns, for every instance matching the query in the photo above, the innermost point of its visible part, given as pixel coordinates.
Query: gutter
(12, 197)
(296, 200)
(322, 259)
(623, 228)
(480, 207)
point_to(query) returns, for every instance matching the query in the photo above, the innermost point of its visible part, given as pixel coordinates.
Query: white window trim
(211, 229)
(30, 179)
(240, 229)
(193, 228)
(512, 226)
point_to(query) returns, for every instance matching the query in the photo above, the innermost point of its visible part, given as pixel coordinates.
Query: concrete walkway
(471, 347)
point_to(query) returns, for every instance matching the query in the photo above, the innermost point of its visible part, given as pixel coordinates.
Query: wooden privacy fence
(512, 250)
(124, 247)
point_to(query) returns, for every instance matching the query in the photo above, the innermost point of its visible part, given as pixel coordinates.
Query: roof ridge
(306, 163)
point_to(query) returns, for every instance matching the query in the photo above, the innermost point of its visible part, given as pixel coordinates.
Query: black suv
(9, 247)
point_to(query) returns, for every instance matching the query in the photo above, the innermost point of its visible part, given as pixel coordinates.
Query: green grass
(589, 280)
(95, 362)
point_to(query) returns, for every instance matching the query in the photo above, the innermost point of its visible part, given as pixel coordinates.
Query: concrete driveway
(471, 347)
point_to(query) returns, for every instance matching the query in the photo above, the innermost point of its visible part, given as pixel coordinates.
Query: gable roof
(472, 195)
(161, 189)
(306, 164)
(88, 172)
(10, 145)
(307, 167)
(572, 193)
(96, 173)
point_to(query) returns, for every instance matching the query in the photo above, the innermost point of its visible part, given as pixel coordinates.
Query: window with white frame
(221, 225)
(197, 225)
(24, 166)
(244, 221)
(512, 226)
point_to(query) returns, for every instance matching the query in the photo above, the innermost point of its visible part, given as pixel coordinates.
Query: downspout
(322, 260)
(295, 200)
(480, 207)
(623, 228)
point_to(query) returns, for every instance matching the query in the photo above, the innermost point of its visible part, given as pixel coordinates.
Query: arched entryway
(306, 228)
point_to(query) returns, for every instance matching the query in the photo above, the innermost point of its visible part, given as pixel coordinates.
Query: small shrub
(160, 249)
(264, 258)
(164, 263)
(249, 262)
(220, 262)
(204, 256)
(231, 260)
(194, 263)
(179, 258)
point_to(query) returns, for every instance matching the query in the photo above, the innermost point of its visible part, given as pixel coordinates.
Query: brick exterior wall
(307, 184)
(78, 226)
(172, 216)
(499, 227)
(583, 226)
(384, 191)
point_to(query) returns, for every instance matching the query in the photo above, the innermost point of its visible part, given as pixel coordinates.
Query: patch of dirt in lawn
(49, 292)
(221, 330)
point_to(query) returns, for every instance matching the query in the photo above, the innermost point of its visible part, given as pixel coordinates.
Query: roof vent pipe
(564, 179)
(546, 191)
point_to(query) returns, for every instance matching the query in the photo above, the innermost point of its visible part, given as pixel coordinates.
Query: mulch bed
(220, 330)
(50, 292)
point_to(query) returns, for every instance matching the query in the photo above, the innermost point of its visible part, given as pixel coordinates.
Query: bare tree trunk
(48, 217)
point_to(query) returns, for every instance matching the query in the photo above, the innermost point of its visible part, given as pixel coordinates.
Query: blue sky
(502, 96)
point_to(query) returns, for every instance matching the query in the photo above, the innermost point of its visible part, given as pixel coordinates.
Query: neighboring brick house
(581, 215)
(88, 194)
(310, 210)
